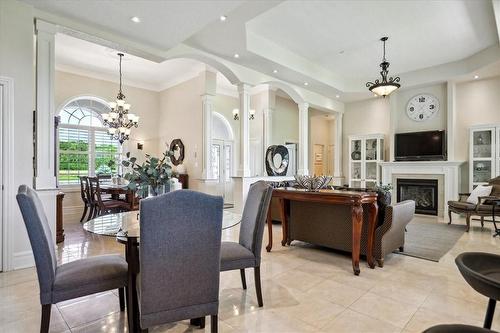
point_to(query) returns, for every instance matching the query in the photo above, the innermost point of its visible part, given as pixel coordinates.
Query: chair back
(254, 217)
(84, 189)
(40, 236)
(95, 191)
(179, 256)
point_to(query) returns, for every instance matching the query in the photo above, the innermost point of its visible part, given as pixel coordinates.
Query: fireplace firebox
(423, 191)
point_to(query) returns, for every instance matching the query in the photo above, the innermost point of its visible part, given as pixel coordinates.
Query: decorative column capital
(46, 27)
(303, 106)
(244, 88)
(207, 98)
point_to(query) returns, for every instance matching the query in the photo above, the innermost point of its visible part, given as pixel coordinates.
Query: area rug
(430, 241)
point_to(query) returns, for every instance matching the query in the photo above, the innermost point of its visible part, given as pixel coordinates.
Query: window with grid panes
(85, 147)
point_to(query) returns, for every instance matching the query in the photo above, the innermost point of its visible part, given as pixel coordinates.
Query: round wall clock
(422, 107)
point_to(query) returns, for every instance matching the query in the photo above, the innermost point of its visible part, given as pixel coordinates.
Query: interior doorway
(319, 157)
(222, 155)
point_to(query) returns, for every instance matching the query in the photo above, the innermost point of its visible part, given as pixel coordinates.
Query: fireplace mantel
(449, 169)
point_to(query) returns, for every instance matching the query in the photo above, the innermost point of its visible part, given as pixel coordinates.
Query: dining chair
(179, 258)
(85, 194)
(71, 280)
(246, 253)
(103, 207)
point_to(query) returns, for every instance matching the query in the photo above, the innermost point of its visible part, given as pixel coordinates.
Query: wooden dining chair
(103, 207)
(71, 280)
(85, 194)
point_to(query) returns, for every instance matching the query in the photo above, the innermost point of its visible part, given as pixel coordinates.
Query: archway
(222, 156)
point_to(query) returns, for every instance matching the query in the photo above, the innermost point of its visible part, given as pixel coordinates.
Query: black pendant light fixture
(385, 86)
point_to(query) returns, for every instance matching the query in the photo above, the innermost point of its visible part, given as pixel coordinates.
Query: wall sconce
(236, 114)
(140, 145)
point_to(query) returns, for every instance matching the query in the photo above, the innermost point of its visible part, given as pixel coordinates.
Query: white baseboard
(22, 259)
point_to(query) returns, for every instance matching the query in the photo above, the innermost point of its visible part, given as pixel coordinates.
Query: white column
(451, 120)
(207, 102)
(393, 123)
(268, 127)
(45, 122)
(303, 139)
(337, 163)
(244, 166)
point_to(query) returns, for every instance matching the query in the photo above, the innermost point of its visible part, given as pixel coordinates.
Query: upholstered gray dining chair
(246, 253)
(179, 258)
(75, 279)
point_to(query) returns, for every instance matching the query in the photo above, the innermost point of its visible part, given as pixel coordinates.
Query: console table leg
(371, 233)
(269, 230)
(357, 223)
(284, 221)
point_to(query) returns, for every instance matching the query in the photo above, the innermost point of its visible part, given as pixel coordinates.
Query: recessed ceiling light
(236, 55)
(135, 19)
(306, 83)
(223, 18)
(338, 96)
(275, 71)
(476, 77)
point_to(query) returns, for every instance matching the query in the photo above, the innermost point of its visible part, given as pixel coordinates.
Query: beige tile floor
(306, 289)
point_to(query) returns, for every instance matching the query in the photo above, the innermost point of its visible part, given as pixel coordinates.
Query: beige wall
(16, 63)
(477, 103)
(365, 117)
(285, 121)
(321, 132)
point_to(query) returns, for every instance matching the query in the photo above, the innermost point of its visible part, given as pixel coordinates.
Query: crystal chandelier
(386, 86)
(119, 120)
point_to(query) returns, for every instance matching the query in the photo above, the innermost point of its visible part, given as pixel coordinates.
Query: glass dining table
(126, 228)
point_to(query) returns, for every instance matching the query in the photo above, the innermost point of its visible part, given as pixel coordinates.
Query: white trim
(8, 203)
(23, 259)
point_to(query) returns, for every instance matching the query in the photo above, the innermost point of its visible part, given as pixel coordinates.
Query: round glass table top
(127, 224)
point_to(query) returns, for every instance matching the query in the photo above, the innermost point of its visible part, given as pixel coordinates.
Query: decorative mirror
(277, 160)
(177, 147)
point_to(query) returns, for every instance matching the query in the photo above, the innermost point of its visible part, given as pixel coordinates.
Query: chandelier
(386, 86)
(119, 120)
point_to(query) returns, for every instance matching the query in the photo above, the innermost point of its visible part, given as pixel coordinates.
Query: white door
(222, 162)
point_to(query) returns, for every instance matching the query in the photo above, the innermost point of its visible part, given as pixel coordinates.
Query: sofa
(331, 226)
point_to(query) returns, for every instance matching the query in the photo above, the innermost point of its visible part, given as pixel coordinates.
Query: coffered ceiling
(332, 45)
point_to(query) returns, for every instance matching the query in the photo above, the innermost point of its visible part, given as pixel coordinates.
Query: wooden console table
(334, 197)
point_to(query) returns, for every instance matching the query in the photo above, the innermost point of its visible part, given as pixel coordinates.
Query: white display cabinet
(365, 154)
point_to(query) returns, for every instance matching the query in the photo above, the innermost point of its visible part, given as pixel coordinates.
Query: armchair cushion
(235, 256)
(460, 205)
(88, 276)
(479, 191)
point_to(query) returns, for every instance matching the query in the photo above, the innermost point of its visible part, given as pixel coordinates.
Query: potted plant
(384, 193)
(150, 178)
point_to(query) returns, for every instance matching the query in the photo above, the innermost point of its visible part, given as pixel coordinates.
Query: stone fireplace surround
(446, 172)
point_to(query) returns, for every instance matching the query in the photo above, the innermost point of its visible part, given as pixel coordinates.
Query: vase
(154, 191)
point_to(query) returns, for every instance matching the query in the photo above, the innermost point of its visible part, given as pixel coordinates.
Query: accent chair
(75, 279)
(179, 258)
(246, 253)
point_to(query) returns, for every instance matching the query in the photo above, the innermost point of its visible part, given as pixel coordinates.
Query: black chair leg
(202, 322)
(214, 324)
(488, 319)
(121, 296)
(85, 208)
(258, 288)
(45, 324)
(243, 278)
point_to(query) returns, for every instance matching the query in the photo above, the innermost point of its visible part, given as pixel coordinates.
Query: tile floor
(305, 289)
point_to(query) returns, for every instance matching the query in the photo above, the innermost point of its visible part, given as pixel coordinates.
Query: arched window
(85, 147)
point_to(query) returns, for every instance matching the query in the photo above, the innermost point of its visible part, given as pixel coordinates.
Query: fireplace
(423, 191)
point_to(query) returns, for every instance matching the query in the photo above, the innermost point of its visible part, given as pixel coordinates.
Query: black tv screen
(420, 146)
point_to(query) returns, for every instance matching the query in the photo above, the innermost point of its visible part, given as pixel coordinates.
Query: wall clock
(422, 107)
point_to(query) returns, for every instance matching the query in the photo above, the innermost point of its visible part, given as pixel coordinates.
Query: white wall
(321, 132)
(17, 62)
(365, 117)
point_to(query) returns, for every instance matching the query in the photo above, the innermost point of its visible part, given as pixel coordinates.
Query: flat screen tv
(420, 146)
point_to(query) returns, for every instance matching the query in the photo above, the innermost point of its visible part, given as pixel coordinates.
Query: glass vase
(154, 191)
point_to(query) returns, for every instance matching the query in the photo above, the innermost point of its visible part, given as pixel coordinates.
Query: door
(222, 168)
(319, 157)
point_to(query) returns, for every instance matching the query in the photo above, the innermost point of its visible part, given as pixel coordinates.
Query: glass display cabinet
(365, 154)
(484, 154)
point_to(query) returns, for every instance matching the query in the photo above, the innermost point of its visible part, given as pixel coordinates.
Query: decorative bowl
(312, 184)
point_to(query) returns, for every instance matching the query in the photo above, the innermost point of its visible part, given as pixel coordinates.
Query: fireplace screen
(422, 191)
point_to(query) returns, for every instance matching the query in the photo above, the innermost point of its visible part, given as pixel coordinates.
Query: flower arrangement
(152, 175)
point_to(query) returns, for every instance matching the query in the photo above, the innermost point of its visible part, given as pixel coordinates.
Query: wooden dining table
(127, 230)
(116, 190)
